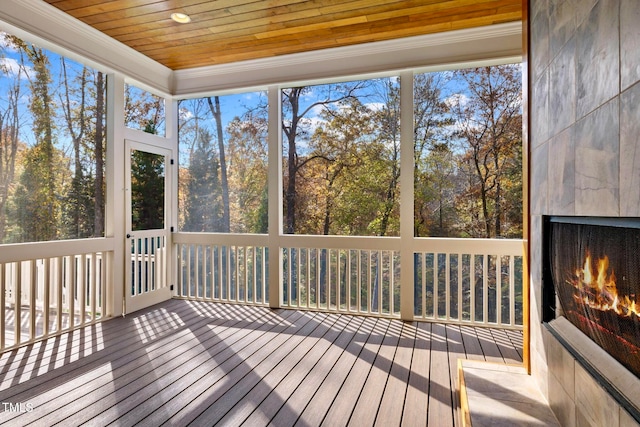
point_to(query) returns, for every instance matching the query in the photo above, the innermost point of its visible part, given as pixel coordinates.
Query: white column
(406, 196)
(115, 197)
(275, 196)
(171, 121)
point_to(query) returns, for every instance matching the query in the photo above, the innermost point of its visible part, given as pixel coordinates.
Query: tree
(78, 200)
(142, 108)
(434, 159)
(336, 145)
(489, 120)
(147, 190)
(9, 142)
(99, 150)
(217, 115)
(203, 187)
(37, 196)
(388, 138)
(247, 150)
(295, 129)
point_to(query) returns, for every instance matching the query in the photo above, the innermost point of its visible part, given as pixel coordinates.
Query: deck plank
(440, 407)
(264, 377)
(371, 394)
(207, 363)
(183, 399)
(390, 410)
(347, 391)
(417, 396)
(315, 366)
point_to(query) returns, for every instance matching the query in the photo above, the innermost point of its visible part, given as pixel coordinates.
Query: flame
(597, 289)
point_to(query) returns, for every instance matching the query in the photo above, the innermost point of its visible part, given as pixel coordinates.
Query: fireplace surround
(591, 288)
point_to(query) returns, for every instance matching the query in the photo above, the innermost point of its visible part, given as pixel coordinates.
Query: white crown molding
(60, 32)
(452, 47)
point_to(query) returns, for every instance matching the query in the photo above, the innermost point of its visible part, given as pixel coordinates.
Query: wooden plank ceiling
(223, 31)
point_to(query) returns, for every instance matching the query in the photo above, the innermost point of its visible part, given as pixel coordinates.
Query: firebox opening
(592, 277)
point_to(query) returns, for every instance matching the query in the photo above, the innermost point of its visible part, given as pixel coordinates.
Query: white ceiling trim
(493, 42)
(60, 32)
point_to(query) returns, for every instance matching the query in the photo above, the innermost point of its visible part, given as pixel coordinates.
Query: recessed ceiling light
(181, 18)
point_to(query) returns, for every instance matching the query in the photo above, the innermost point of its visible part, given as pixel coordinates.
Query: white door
(147, 225)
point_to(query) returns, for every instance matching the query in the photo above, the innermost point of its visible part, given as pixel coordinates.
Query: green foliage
(37, 206)
(203, 208)
(51, 171)
(147, 190)
(203, 205)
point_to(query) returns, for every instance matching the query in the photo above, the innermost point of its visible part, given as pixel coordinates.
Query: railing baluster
(3, 306)
(338, 280)
(94, 277)
(196, 270)
(472, 287)
(391, 284)
(17, 301)
(298, 278)
(82, 293)
(33, 293)
(498, 289)
(379, 274)
(236, 251)
(359, 280)
(318, 254)
(72, 291)
(46, 297)
(189, 250)
(60, 292)
(436, 291)
(460, 285)
(309, 281)
(214, 276)
(245, 273)
(512, 293)
(485, 289)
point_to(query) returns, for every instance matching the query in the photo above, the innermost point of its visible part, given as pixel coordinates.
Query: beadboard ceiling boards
(227, 31)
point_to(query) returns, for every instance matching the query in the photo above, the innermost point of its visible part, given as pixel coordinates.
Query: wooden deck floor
(199, 363)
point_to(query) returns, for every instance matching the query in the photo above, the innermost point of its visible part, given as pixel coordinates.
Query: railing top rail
(419, 244)
(230, 239)
(16, 252)
(341, 242)
(468, 246)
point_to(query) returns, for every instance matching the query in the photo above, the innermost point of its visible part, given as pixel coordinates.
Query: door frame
(160, 288)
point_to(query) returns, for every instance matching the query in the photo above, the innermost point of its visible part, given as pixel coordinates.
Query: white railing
(358, 275)
(476, 281)
(50, 287)
(467, 281)
(222, 267)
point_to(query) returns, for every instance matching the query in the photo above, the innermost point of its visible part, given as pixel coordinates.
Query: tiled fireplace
(584, 157)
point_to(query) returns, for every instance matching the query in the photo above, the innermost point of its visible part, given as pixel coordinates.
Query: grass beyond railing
(50, 287)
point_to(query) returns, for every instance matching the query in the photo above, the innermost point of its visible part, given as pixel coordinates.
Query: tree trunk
(226, 217)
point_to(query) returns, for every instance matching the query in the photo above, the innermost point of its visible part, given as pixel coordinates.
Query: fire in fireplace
(594, 267)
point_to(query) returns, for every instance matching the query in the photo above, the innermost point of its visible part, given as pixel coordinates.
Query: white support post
(171, 127)
(406, 196)
(275, 197)
(115, 200)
